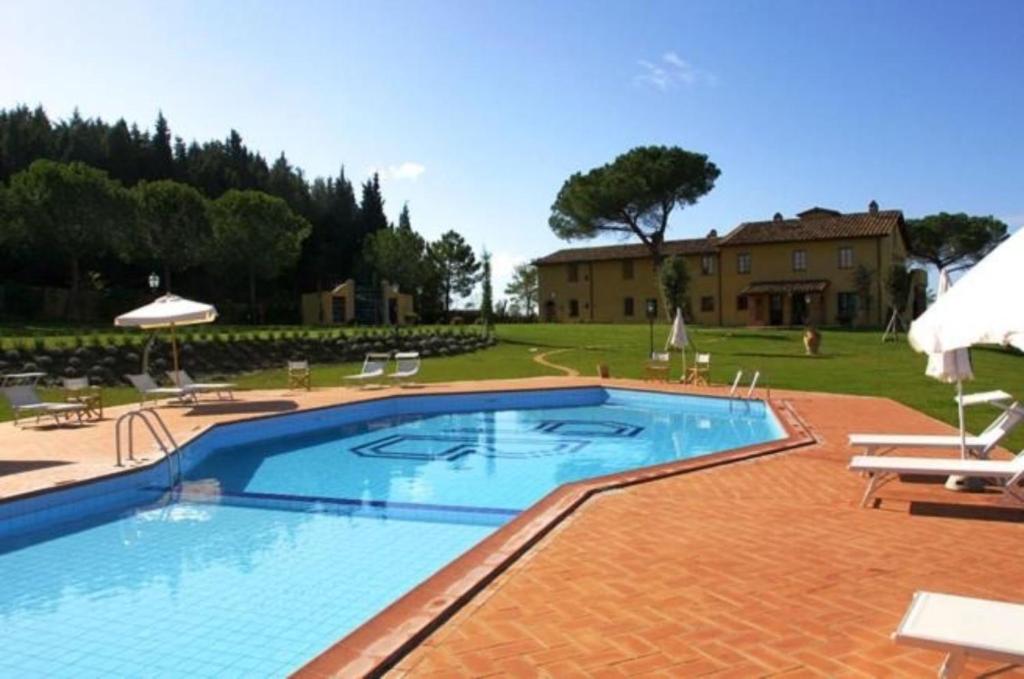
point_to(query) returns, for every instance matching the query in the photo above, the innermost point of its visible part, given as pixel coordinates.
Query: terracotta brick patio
(758, 568)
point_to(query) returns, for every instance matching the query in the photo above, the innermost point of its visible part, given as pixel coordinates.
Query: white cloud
(670, 71)
(407, 170)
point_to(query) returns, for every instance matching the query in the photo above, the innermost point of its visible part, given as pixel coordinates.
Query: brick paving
(760, 568)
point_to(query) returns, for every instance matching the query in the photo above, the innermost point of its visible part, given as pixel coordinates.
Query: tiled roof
(784, 287)
(687, 246)
(817, 224)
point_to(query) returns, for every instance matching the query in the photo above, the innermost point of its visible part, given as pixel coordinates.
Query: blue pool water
(292, 532)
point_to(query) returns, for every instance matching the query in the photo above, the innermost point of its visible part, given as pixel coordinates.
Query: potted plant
(812, 340)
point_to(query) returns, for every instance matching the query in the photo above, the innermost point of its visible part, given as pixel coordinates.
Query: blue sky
(476, 111)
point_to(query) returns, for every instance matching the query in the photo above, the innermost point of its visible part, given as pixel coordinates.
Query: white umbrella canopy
(953, 366)
(677, 337)
(982, 308)
(168, 311)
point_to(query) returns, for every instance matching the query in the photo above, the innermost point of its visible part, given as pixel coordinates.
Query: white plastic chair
(374, 366)
(407, 366)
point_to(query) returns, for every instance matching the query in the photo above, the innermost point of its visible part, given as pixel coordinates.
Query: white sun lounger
(963, 627)
(145, 385)
(184, 380)
(407, 366)
(881, 468)
(373, 368)
(24, 401)
(979, 446)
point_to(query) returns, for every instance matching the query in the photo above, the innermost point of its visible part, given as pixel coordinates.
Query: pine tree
(371, 208)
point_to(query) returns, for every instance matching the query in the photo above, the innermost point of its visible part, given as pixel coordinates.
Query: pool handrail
(144, 415)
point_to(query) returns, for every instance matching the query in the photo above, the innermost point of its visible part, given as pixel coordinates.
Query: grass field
(851, 362)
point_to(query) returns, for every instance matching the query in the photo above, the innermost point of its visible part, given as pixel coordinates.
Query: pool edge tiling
(381, 642)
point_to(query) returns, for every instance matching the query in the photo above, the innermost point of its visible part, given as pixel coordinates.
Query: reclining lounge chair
(184, 380)
(880, 468)
(145, 385)
(962, 627)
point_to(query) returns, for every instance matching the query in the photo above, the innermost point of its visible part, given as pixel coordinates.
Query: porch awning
(784, 287)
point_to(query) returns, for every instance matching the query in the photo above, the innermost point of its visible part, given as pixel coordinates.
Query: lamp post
(154, 282)
(652, 311)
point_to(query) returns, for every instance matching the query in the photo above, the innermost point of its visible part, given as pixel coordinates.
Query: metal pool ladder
(161, 434)
(734, 392)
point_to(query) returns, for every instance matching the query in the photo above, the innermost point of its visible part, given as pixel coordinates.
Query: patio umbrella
(982, 308)
(677, 337)
(952, 366)
(169, 311)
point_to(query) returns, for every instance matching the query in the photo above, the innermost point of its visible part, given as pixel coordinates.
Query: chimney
(777, 217)
(713, 233)
(873, 207)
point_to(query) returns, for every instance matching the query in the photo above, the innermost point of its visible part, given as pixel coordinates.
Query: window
(799, 260)
(846, 305)
(846, 258)
(743, 262)
(627, 306)
(574, 308)
(627, 269)
(707, 303)
(741, 303)
(574, 272)
(707, 264)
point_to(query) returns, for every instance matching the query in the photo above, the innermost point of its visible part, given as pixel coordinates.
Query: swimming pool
(290, 532)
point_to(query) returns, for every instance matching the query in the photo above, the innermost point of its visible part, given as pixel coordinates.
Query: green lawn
(851, 362)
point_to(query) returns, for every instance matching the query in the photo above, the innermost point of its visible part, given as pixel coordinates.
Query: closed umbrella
(677, 337)
(953, 366)
(168, 311)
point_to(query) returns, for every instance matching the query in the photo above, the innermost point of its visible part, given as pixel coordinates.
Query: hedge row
(221, 355)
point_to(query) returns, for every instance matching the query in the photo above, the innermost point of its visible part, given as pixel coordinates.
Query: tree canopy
(457, 267)
(675, 283)
(523, 288)
(341, 216)
(953, 241)
(398, 255)
(258, 234)
(633, 195)
(174, 225)
(71, 210)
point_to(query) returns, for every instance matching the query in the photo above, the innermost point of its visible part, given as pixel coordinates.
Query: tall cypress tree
(371, 207)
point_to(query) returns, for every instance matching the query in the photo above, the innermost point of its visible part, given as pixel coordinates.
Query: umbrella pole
(960, 412)
(174, 355)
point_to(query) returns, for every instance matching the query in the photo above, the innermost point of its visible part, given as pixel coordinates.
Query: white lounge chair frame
(374, 366)
(185, 381)
(24, 400)
(146, 386)
(962, 627)
(407, 366)
(881, 469)
(978, 446)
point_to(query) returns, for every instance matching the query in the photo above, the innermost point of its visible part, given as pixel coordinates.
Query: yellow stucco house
(349, 304)
(822, 267)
